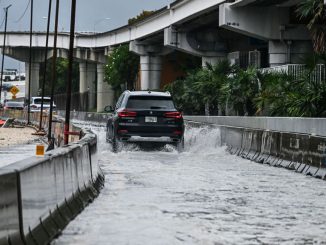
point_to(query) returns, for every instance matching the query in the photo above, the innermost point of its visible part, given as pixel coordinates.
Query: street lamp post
(97, 22)
(3, 48)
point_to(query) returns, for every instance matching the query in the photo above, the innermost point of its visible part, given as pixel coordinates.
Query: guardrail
(39, 196)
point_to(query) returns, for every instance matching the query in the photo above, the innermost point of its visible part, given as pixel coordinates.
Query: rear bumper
(129, 130)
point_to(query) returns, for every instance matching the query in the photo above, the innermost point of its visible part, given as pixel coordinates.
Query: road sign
(14, 90)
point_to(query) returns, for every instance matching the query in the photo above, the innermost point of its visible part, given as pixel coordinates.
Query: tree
(121, 69)
(314, 12)
(143, 15)
(62, 75)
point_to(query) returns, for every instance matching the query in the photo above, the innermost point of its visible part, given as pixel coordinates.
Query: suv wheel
(114, 143)
(180, 145)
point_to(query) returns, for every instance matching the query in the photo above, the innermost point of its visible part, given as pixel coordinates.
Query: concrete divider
(302, 152)
(40, 195)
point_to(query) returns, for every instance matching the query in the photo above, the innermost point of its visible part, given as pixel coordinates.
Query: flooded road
(200, 196)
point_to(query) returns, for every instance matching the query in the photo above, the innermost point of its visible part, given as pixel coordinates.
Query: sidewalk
(16, 144)
(16, 136)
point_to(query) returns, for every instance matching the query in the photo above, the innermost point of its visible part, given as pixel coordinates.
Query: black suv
(145, 114)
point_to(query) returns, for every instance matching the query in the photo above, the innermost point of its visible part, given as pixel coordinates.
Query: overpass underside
(259, 33)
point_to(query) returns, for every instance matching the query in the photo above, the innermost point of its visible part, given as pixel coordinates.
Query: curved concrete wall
(40, 195)
(313, 126)
(304, 153)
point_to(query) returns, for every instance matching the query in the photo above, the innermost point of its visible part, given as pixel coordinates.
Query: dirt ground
(16, 136)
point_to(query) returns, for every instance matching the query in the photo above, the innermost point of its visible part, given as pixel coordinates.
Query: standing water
(200, 196)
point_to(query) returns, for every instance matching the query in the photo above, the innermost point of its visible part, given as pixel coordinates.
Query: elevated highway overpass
(266, 31)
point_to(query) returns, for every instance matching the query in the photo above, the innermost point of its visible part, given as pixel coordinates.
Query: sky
(91, 15)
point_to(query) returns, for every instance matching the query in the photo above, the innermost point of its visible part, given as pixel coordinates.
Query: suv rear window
(150, 102)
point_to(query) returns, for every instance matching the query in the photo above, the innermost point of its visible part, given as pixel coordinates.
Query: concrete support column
(211, 60)
(91, 84)
(105, 93)
(34, 80)
(288, 52)
(150, 72)
(82, 77)
(278, 53)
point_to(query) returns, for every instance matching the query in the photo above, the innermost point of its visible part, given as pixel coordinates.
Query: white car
(35, 105)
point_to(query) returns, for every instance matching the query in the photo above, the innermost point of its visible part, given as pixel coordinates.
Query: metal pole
(45, 62)
(71, 59)
(3, 48)
(30, 63)
(54, 72)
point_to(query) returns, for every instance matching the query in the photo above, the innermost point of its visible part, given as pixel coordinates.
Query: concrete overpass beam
(203, 43)
(34, 80)
(105, 93)
(262, 22)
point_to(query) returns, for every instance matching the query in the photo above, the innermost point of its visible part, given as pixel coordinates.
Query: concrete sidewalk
(16, 144)
(16, 136)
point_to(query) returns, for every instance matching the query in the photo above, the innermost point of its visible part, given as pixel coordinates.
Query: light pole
(3, 48)
(98, 21)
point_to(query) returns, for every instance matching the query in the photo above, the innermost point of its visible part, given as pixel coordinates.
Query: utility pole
(30, 64)
(45, 63)
(54, 74)
(71, 59)
(3, 47)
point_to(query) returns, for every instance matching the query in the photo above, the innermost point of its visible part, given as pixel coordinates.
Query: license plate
(151, 119)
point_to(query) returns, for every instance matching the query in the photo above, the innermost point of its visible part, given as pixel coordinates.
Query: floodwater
(200, 196)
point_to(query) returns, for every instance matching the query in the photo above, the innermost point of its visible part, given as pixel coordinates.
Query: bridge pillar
(34, 80)
(288, 52)
(150, 63)
(105, 93)
(91, 84)
(150, 72)
(82, 77)
(211, 60)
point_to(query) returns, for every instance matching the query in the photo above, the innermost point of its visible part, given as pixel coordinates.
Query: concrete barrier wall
(40, 195)
(304, 153)
(313, 126)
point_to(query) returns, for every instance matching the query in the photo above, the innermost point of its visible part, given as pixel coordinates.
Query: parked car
(13, 105)
(6, 87)
(145, 114)
(35, 105)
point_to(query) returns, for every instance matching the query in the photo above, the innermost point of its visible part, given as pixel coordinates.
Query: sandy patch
(16, 136)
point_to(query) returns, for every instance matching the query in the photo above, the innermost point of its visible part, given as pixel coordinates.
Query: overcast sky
(98, 15)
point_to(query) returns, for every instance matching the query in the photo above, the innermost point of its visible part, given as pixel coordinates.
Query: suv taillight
(173, 114)
(126, 113)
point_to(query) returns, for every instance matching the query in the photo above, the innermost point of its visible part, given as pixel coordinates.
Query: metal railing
(297, 71)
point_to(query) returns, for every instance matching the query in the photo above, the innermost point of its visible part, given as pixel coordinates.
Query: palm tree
(314, 12)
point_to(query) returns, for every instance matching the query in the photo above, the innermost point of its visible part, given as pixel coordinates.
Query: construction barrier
(40, 195)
